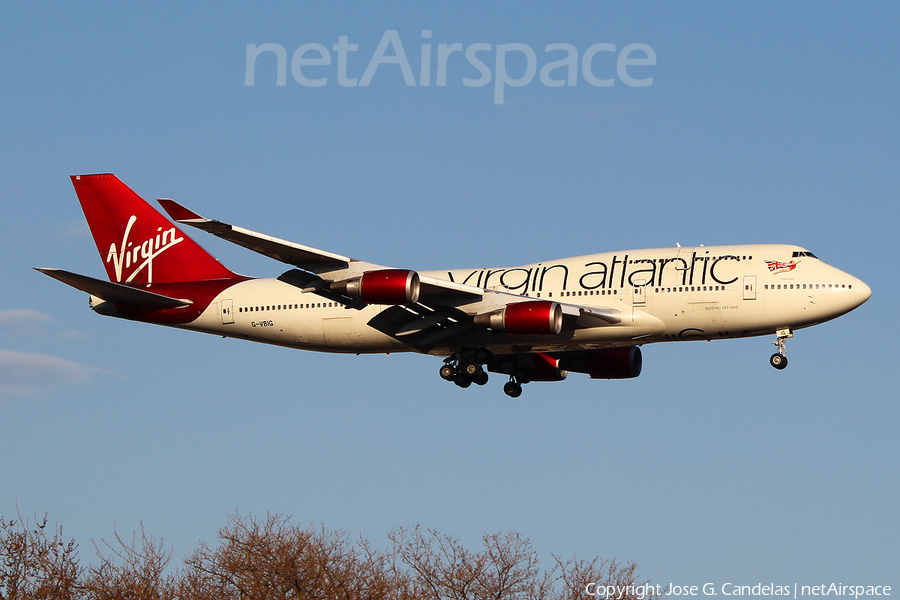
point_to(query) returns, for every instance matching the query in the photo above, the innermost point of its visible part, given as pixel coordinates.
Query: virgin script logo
(128, 255)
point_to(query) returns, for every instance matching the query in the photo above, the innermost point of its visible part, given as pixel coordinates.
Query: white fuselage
(669, 294)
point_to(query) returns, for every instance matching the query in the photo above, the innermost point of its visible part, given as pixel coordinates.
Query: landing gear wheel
(779, 359)
(462, 380)
(512, 389)
(447, 373)
(480, 378)
(483, 355)
(523, 375)
(471, 369)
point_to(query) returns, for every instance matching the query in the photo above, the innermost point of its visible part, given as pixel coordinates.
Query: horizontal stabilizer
(304, 257)
(115, 292)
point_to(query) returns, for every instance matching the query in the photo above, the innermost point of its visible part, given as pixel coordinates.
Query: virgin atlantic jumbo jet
(587, 314)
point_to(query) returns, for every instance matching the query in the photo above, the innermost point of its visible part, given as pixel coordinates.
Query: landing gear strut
(779, 359)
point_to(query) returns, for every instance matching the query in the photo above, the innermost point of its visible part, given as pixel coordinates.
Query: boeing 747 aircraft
(586, 314)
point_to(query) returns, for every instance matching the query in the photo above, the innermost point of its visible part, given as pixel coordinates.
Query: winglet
(179, 213)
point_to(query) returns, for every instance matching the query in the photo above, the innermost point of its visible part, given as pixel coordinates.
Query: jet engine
(608, 363)
(386, 286)
(540, 317)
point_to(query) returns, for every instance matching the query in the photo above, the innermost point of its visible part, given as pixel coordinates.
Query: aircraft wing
(115, 292)
(304, 257)
(313, 260)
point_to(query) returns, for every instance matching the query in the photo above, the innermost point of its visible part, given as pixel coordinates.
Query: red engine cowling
(609, 363)
(387, 286)
(541, 317)
(536, 366)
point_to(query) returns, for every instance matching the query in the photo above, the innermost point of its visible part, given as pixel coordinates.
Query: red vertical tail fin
(137, 243)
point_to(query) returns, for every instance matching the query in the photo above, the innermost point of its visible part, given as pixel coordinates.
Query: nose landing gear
(779, 359)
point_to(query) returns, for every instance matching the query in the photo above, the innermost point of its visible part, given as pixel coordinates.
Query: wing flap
(115, 292)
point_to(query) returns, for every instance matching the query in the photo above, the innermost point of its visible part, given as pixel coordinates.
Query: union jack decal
(780, 267)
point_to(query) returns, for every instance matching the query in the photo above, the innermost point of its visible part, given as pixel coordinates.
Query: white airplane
(585, 314)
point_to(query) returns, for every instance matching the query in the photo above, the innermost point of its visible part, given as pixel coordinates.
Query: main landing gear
(513, 387)
(464, 369)
(467, 367)
(779, 359)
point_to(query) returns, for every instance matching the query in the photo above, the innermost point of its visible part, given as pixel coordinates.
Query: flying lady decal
(780, 267)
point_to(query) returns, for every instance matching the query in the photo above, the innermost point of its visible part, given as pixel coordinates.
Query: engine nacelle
(387, 286)
(608, 363)
(540, 317)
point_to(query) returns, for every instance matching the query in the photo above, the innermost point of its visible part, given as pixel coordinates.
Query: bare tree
(444, 569)
(274, 559)
(36, 562)
(576, 575)
(128, 571)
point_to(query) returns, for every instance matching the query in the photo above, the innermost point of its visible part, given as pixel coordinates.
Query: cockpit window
(798, 254)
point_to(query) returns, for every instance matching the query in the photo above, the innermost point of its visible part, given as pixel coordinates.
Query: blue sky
(761, 125)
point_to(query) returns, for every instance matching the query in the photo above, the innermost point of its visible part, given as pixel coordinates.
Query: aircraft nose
(862, 292)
